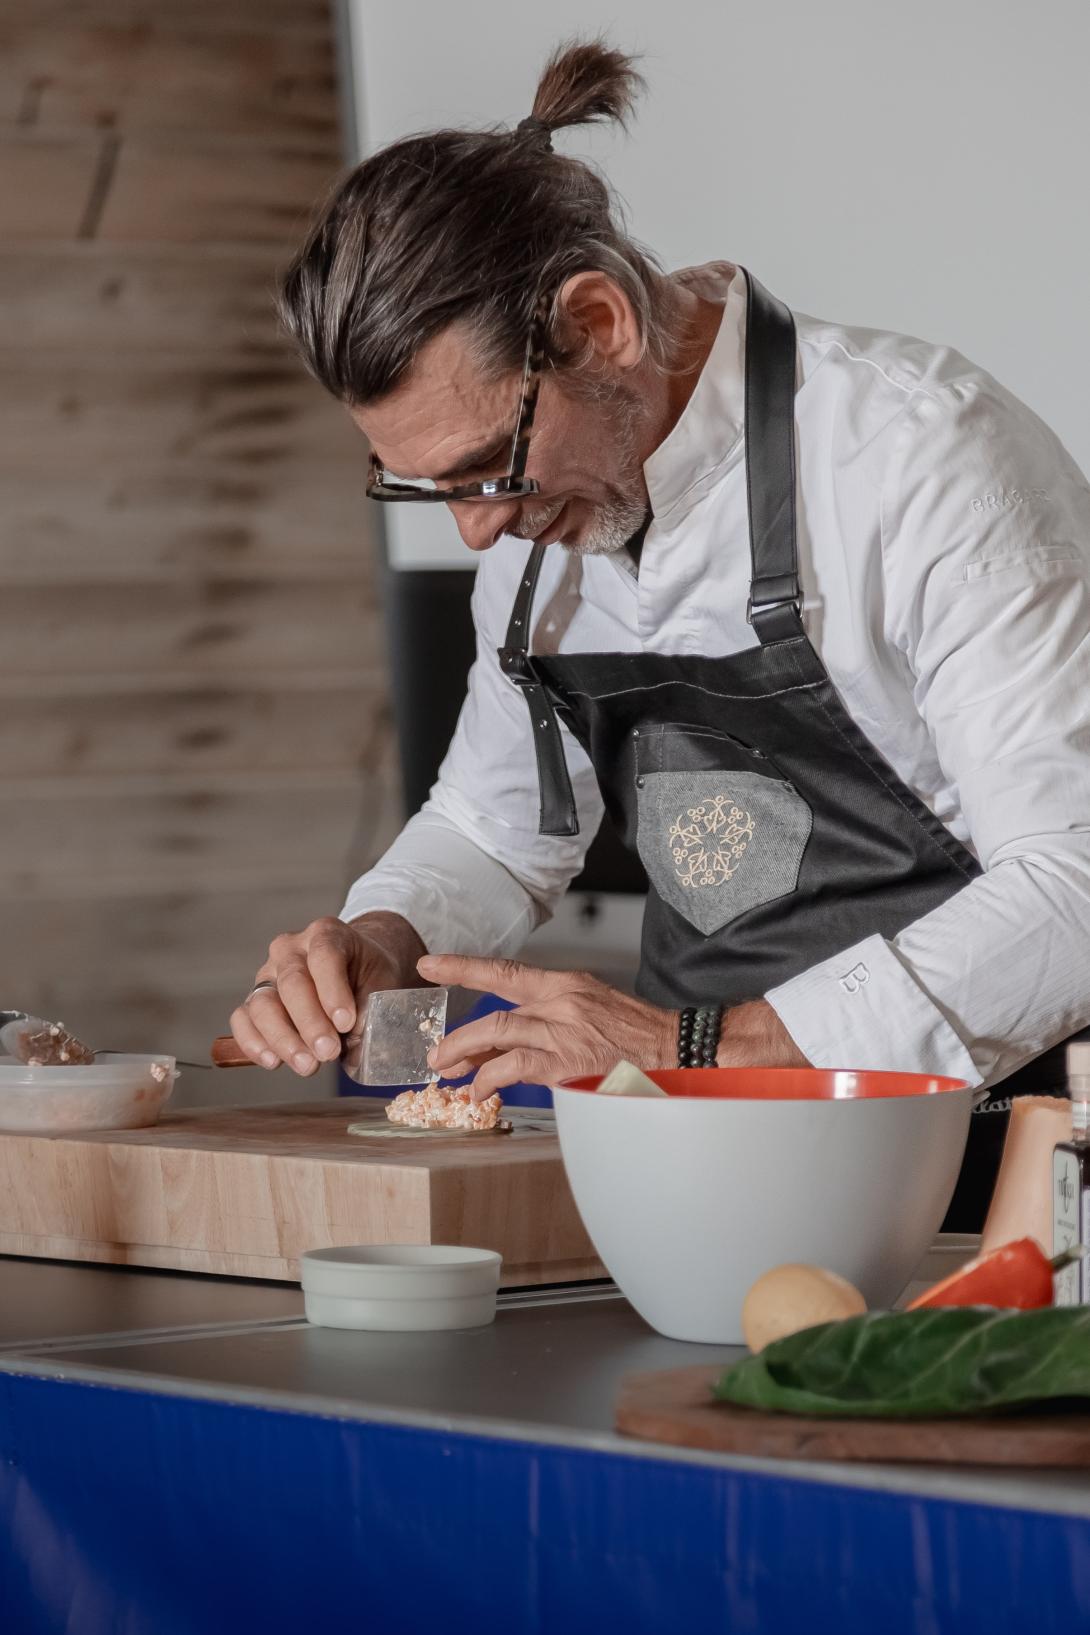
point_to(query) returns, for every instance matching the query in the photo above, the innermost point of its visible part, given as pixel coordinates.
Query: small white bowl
(115, 1092)
(400, 1286)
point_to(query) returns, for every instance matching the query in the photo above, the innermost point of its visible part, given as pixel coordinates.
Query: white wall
(921, 167)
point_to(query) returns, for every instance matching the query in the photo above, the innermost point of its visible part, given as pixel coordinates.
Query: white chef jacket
(944, 541)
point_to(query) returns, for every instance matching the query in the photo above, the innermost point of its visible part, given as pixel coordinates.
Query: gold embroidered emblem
(709, 841)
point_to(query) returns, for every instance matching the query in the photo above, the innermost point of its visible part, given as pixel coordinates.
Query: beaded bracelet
(698, 1035)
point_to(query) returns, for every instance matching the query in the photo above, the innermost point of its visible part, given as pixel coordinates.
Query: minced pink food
(443, 1108)
(52, 1045)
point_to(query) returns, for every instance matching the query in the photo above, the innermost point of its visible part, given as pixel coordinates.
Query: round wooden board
(676, 1406)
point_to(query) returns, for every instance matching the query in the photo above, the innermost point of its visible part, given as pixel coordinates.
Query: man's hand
(322, 976)
(568, 1024)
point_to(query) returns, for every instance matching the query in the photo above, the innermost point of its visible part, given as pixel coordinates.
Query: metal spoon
(38, 1043)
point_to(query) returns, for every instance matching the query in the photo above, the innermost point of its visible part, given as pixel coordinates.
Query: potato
(794, 1297)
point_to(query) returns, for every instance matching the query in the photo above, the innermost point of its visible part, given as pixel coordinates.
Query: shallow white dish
(117, 1092)
(400, 1286)
(689, 1198)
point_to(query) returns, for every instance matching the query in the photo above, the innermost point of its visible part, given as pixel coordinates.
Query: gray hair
(469, 227)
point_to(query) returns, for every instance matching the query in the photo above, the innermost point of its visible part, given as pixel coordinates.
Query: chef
(803, 607)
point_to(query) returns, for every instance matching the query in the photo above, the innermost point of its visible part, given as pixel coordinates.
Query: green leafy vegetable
(919, 1364)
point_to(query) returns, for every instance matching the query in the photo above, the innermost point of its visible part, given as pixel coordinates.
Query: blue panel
(518, 1095)
(126, 1513)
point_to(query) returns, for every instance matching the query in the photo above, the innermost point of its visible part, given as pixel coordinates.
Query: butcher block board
(676, 1406)
(242, 1191)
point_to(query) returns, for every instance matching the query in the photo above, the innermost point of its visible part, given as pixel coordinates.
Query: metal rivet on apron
(517, 623)
(543, 724)
(639, 783)
(635, 732)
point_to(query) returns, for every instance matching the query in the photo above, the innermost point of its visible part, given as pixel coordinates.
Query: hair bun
(537, 130)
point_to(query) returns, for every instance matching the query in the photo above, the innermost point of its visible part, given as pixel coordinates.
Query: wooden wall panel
(165, 405)
(122, 301)
(45, 184)
(183, 515)
(295, 18)
(154, 832)
(277, 727)
(230, 191)
(135, 629)
(250, 81)
(194, 724)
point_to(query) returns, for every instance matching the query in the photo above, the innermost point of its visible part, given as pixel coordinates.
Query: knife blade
(400, 1026)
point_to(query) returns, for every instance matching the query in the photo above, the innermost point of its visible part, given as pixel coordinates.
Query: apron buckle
(514, 662)
(772, 604)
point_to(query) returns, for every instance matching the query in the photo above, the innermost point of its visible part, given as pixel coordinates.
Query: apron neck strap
(775, 594)
(559, 814)
(517, 643)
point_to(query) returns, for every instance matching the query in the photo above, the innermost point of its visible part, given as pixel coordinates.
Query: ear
(601, 313)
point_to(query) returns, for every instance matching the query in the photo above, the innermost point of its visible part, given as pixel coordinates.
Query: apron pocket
(716, 844)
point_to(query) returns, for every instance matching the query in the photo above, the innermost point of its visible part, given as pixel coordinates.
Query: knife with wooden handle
(400, 1026)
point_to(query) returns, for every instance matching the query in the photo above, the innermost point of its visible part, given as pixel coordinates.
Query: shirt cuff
(372, 897)
(447, 914)
(864, 1009)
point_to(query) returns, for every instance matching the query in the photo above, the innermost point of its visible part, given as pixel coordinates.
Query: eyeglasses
(515, 485)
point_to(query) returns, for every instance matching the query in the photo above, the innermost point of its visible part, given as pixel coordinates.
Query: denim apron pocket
(716, 844)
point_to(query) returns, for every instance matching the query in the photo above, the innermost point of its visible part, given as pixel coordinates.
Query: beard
(611, 526)
(613, 522)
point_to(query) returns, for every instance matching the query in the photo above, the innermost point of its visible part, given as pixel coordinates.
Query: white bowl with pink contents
(114, 1092)
(690, 1196)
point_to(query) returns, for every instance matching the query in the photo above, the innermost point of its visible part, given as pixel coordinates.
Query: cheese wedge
(626, 1080)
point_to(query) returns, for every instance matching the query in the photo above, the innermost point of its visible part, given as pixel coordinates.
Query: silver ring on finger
(259, 987)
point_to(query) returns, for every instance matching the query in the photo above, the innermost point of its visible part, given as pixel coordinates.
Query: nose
(481, 524)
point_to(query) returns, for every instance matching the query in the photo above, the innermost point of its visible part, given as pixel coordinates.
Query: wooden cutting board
(243, 1191)
(676, 1406)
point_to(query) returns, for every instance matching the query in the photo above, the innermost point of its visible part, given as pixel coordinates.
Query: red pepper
(1017, 1276)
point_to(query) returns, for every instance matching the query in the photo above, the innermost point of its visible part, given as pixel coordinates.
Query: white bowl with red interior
(688, 1198)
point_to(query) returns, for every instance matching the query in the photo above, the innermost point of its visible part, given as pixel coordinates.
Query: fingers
(311, 1026)
(458, 1070)
(328, 955)
(505, 977)
(489, 1036)
(506, 1047)
(522, 1066)
(298, 1021)
(568, 1024)
(269, 1018)
(251, 1041)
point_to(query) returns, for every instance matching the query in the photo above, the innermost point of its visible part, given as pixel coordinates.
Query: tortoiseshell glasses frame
(515, 484)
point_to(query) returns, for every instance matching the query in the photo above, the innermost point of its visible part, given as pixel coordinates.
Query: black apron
(772, 831)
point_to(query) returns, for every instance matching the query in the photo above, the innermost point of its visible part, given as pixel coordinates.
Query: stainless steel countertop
(548, 1369)
(43, 1302)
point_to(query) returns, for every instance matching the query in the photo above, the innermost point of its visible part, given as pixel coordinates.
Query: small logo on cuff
(855, 979)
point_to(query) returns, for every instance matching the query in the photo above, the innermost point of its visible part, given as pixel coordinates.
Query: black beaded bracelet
(698, 1035)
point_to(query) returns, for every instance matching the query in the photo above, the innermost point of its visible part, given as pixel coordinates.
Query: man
(805, 608)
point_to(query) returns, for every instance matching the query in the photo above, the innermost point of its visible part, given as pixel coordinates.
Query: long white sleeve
(986, 541)
(470, 872)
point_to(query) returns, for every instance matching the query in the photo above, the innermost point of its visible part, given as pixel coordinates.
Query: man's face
(448, 420)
